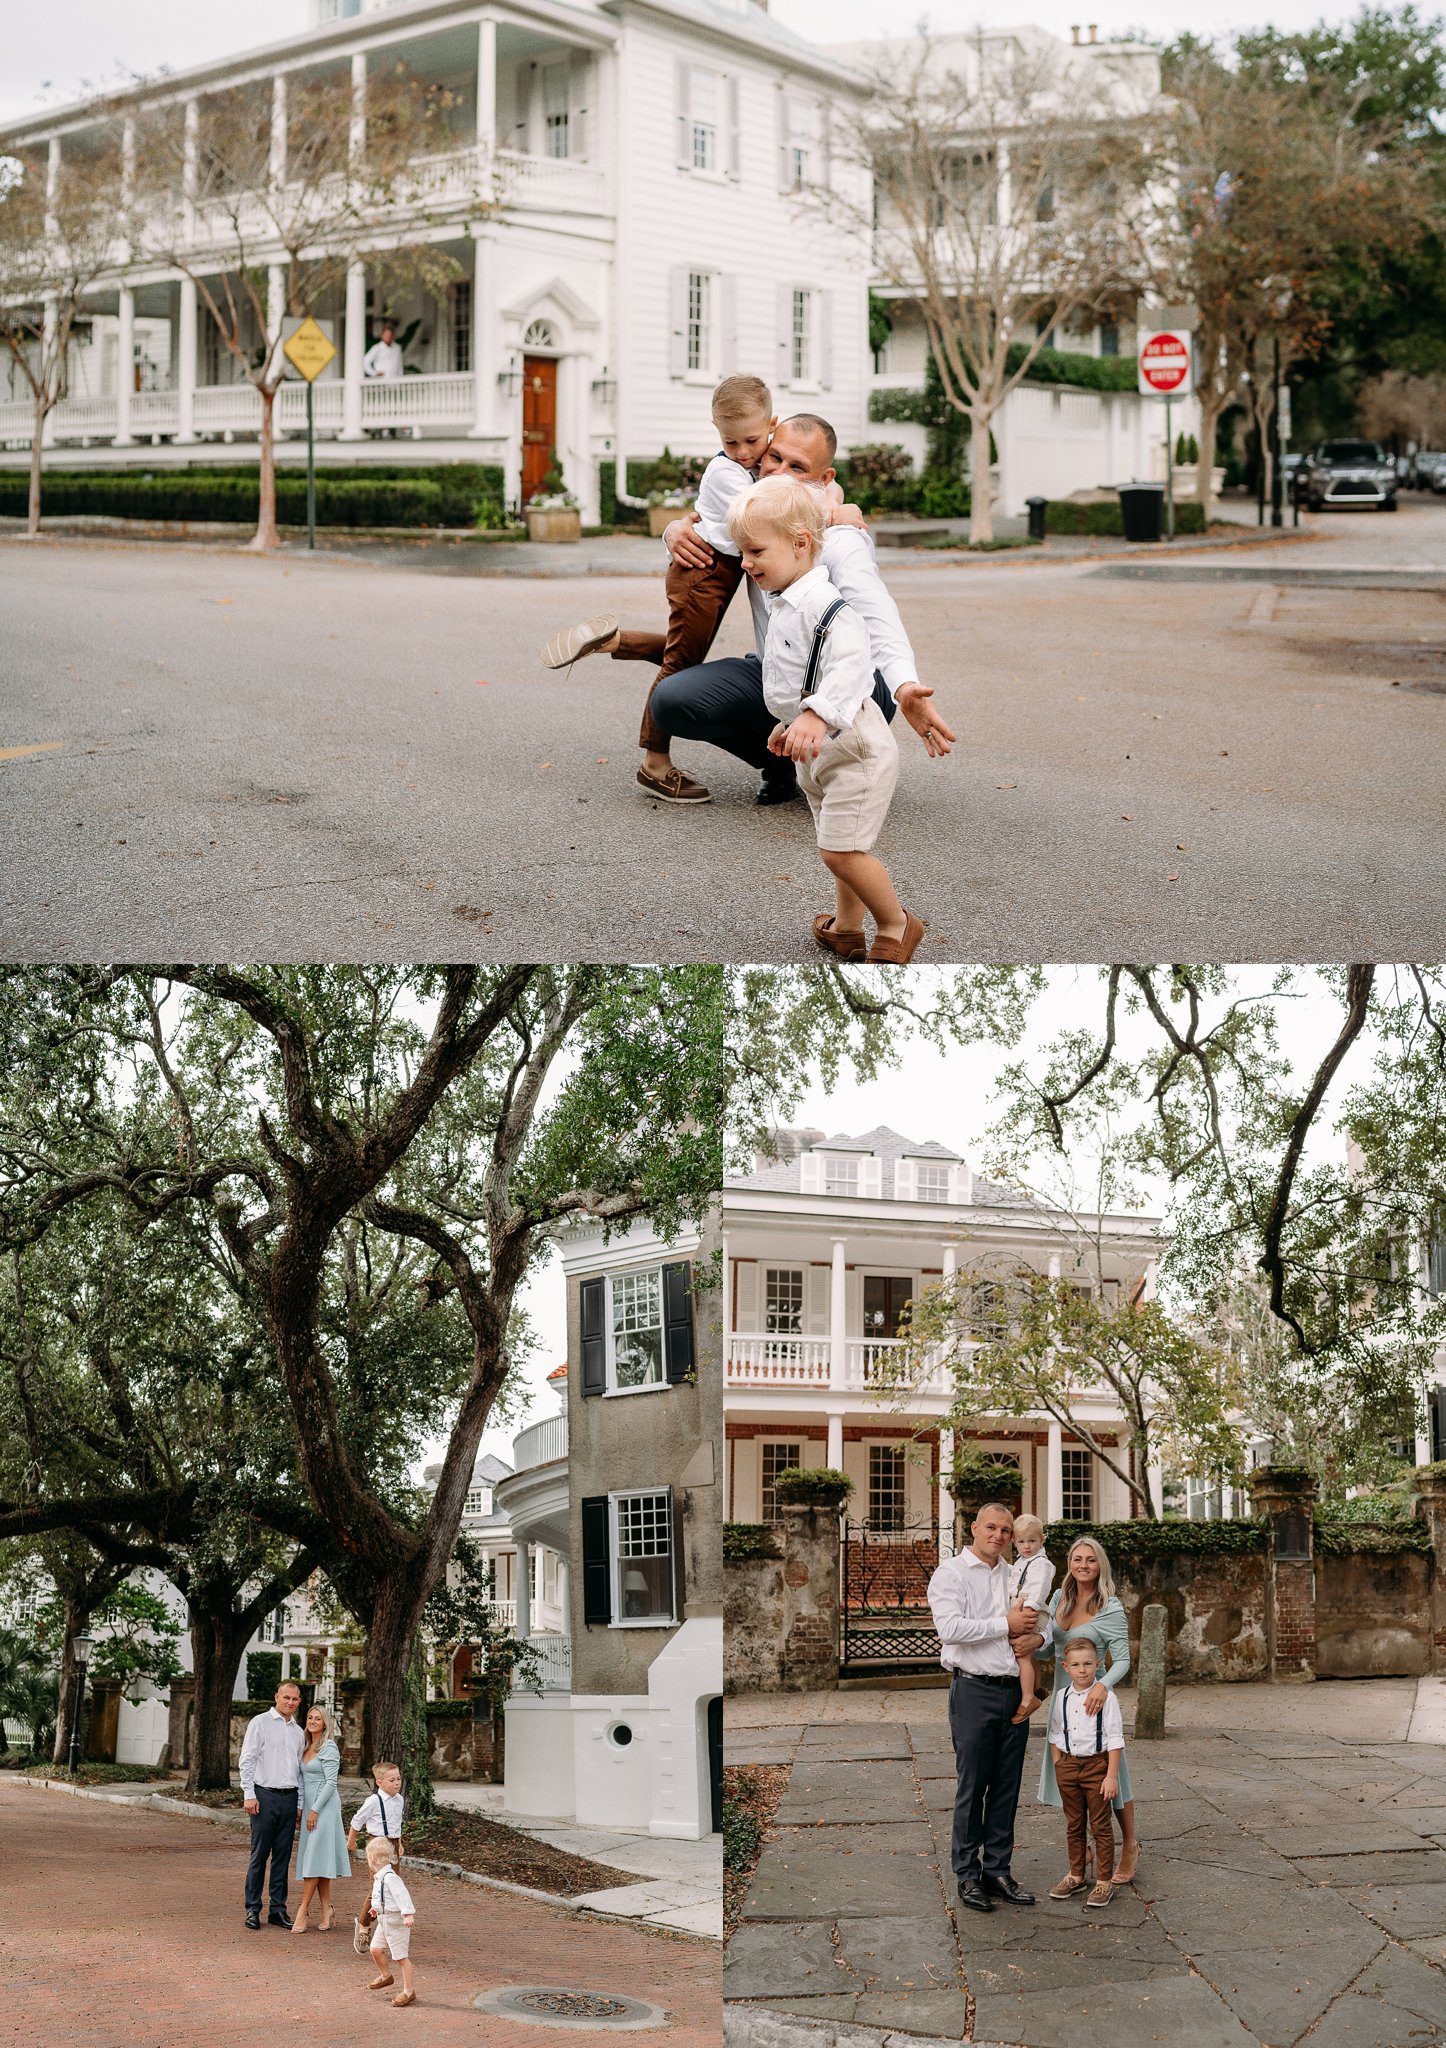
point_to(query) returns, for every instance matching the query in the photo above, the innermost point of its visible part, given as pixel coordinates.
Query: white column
(353, 347)
(277, 165)
(484, 336)
(524, 1591)
(727, 1301)
(186, 364)
(837, 1316)
(125, 367)
(486, 89)
(946, 1499)
(1054, 1483)
(188, 168)
(834, 1454)
(1156, 1473)
(357, 135)
(52, 187)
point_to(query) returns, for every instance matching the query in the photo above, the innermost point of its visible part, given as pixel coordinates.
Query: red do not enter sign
(1164, 363)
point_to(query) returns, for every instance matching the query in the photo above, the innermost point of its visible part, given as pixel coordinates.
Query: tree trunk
(1211, 407)
(77, 1614)
(981, 483)
(32, 518)
(216, 1658)
(266, 533)
(390, 1641)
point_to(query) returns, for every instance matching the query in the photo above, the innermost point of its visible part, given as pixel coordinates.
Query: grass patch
(751, 1793)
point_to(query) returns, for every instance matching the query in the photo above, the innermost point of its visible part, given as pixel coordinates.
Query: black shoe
(252, 1919)
(1006, 1888)
(775, 790)
(973, 1895)
(278, 1917)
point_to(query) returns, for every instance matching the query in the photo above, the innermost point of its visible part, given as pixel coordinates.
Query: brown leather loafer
(847, 945)
(899, 952)
(673, 788)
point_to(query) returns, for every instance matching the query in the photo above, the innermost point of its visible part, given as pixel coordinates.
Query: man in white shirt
(384, 357)
(721, 701)
(980, 1636)
(270, 1770)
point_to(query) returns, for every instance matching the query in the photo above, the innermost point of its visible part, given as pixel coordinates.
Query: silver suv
(1349, 473)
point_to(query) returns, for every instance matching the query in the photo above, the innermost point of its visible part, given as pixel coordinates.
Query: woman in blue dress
(1086, 1606)
(323, 1853)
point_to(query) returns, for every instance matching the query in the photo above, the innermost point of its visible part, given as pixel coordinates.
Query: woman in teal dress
(1086, 1606)
(322, 1836)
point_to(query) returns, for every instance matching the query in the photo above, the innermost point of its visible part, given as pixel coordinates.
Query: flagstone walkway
(1291, 1886)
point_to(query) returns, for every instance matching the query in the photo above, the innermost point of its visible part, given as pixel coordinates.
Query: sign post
(1166, 370)
(309, 351)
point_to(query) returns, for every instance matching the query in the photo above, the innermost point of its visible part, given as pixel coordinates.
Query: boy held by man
(393, 1914)
(1087, 1750)
(818, 682)
(697, 598)
(1030, 1578)
(383, 1811)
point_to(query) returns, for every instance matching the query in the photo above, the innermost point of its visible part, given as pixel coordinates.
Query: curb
(157, 1802)
(763, 2026)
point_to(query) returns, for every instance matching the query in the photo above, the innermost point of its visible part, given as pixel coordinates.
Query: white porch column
(353, 345)
(52, 187)
(524, 1591)
(125, 367)
(277, 164)
(486, 88)
(188, 169)
(1156, 1472)
(727, 1302)
(837, 1317)
(946, 1499)
(484, 335)
(1054, 1482)
(834, 1455)
(186, 364)
(357, 134)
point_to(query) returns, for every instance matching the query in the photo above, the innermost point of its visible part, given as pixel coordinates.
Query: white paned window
(555, 111)
(783, 1300)
(479, 1501)
(802, 140)
(635, 1352)
(800, 338)
(643, 1558)
(700, 313)
(277, 1623)
(777, 1458)
(840, 1175)
(462, 324)
(886, 1486)
(931, 1180)
(1079, 1491)
(705, 93)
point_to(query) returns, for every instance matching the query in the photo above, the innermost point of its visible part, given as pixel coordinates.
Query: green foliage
(449, 1710)
(463, 1609)
(1063, 515)
(942, 496)
(263, 1672)
(354, 499)
(879, 476)
(818, 1486)
(880, 324)
(27, 1689)
(136, 1638)
(742, 1835)
(643, 482)
(1338, 1536)
(744, 1542)
(1140, 1541)
(1187, 449)
(1435, 1472)
(978, 1477)
(247, 1710)
(1284, 1478)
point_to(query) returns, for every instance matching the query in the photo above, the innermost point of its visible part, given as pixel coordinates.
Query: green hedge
(402, 499)
(449, 1710)
(263, 1672)
(1337, 1537)
(642, 478)
(1142, 1541)
(1062, 515)
(247, 1710)
(745, 1541)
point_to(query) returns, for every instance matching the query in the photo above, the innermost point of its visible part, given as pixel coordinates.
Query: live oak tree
(469, 1113)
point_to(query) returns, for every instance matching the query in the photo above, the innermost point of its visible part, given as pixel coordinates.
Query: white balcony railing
(556, 183)
(541, 1443)
(155, 412)
(554, 1662)
(778, 1361)
(78, 416)
(326, 401)
(446, 398)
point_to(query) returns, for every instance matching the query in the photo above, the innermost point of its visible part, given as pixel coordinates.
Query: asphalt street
(205, 754)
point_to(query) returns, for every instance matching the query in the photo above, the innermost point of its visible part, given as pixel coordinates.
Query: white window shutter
(735, 130)
(785, 169)
(746, 1308)
(818, 1283)
(961, 1183)
(578, 138)
(727, 358)
(823, 344)
(906, 1180)
(785, 335)
(683, 88)
(871, 1176)
(677, 321)
(810, 1168)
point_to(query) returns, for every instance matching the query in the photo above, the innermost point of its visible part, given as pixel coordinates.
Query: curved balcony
(535, 1496)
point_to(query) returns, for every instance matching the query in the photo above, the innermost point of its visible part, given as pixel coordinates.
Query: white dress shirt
(1084, 1736)
(383, 359)
(848, 556)
(389, 1892)
(969, 1600)
(1030, 1580)
(380, 1814)
(843, 681)
(721, 482)
(271, 1754)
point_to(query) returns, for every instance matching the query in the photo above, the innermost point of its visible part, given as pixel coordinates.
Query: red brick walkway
(123, 1929)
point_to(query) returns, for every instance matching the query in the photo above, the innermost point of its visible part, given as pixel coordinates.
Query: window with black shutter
(678, 1321)
(593, 1306)
(597, 1599)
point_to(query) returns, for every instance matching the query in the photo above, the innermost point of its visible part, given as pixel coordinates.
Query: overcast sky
(53, 53)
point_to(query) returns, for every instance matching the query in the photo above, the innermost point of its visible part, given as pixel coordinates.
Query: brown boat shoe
(847, 945)
(898, 952)
(673, 788)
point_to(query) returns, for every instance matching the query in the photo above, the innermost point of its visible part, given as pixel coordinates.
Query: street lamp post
(82, 1654)
(1276, 498)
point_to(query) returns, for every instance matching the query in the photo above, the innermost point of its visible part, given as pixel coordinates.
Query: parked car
(1349, 473)
(1429, 470)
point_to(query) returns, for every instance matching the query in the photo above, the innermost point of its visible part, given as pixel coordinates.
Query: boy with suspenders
(1087, 1749)
(818, 682)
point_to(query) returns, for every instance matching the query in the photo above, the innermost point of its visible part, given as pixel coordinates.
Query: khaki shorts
(850, 783)
(393, 1933)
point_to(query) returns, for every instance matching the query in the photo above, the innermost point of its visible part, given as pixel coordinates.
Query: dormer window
(479, 1500)
(932, 1180)
(840, 1173)
(840, 1176)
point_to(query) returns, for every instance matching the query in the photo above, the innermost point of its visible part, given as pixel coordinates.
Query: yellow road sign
(308, 350)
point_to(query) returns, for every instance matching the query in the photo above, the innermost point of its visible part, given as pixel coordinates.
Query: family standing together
(812, 707)
(290, 1781)
(988, 1609)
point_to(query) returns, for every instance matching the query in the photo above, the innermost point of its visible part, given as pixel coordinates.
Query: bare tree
(289, 182)
(1397, 406)
(1001, 184)
(59, 220)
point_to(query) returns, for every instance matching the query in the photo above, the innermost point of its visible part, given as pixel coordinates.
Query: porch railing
(554, 1661)
(778, 1361)
(541, 1443)
(444, 398)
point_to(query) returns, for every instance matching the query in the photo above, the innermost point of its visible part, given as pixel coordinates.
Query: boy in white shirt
(1030, 1579)
(818, 682)
(392, 1905)
(383, 1811)
(1087, 1750)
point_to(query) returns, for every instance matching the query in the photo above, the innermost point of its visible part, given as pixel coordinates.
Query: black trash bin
(1036, 508)
(1142, 507)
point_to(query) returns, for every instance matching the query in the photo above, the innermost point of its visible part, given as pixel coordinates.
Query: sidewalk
(1292, 1881)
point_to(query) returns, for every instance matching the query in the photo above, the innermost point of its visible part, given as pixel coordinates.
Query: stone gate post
(810, 1650)
(1286, 1497)
(1431, 1509)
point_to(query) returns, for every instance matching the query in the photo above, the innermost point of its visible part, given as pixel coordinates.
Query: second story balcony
(849, 1364)
(535, 1496)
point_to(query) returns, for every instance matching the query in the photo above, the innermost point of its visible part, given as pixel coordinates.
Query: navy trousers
(722, 702)
(989, 1760)
(273, 1831)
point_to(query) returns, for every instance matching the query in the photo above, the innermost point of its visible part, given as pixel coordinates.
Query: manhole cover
(564, 2005)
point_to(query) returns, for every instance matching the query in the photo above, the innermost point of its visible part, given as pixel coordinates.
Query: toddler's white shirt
(844, 678)
(389, 1892)
(1030, 1581)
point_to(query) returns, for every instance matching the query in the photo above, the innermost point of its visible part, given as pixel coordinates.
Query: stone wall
(1214, 1606)
(753, 1625)
(1372, 1614)
(781, 1615)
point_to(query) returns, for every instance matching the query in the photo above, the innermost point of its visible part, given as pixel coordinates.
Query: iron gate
(883, 1597)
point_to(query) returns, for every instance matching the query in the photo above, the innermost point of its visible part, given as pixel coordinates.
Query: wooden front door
(539, 421)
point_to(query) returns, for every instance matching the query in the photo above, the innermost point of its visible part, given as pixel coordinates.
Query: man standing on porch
(979, 1635)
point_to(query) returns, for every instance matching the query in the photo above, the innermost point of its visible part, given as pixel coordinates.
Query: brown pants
(697, 600)
(1079, 1779)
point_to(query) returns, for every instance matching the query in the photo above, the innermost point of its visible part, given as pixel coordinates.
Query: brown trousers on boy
(697, 600)
(1079, 1779)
